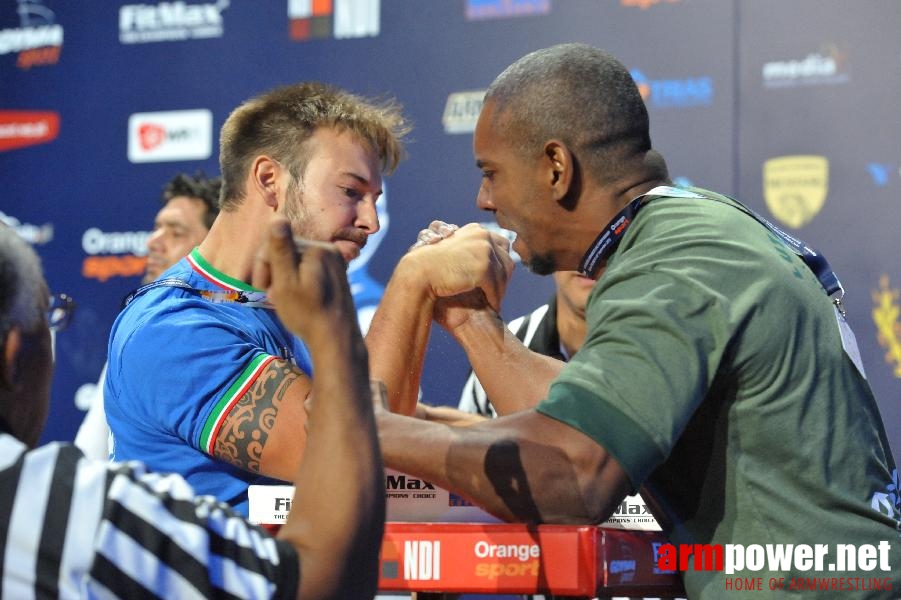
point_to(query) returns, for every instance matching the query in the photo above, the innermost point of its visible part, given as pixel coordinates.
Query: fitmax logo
(170, 21)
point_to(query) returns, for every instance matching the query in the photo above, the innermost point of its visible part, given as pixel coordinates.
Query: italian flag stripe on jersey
(208, 272)
(232, 395)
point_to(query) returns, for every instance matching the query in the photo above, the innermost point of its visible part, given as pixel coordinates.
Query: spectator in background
(73, 527)
(189, 207)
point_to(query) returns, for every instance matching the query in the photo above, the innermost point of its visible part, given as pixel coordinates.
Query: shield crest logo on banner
(795, 187)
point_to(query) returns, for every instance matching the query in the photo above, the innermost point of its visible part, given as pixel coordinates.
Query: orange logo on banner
(48, 55)
(19, 129)
(795, 187)
(885, 315)
(102, 268)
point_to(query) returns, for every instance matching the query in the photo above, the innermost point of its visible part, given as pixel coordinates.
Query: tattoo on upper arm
(246, 428)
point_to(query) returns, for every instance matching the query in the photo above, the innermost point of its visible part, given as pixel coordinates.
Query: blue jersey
(178, 363)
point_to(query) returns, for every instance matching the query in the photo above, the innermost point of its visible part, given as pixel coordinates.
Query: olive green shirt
(713, 371)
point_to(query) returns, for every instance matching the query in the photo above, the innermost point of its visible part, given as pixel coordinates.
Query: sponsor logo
(523, 560)
(775, 558)
(461, 111)
(732, 558)
(390, 561)
(882, 173)
(632, 508)
(478, 10)
(521, 552)
(829, 66)
(886, 308)
(632, 513)
(268, 505)
(170, 21)
(457, 500)
(114, 254)
(341, 19)
(422, 560)
(889, 501)
(38, 39)
(19, 129)
(646, 4)
(674, 93)
(795, 187)
(656, 547)
(622, 567)
(404, 486)
(170, 136)
(104, 268)
(279, 507)
(36, 235)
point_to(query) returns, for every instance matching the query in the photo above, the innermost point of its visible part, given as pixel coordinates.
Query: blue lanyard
(610, 236)
(240, 297)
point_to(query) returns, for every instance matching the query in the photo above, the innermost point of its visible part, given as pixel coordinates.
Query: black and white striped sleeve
(78, 528)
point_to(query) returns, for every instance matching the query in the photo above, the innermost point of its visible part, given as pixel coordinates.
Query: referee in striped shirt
(73, 528)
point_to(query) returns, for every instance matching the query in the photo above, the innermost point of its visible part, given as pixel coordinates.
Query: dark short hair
(578, 94)
(198, 186)
(21, 283)
(278, 123)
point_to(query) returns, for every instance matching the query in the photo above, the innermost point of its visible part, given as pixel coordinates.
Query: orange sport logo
(103, 268)
(39, 38)
(113, 253)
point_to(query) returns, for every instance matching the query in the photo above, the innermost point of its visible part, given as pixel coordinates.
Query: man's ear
(11, 346)
(264, 176)
(560, 168)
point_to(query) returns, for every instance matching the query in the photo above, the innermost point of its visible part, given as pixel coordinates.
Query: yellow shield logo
(795, 187)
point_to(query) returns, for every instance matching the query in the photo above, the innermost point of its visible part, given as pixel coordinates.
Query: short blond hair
(278, 122)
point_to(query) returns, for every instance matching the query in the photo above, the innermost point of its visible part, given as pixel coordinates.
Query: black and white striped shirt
(74, 528)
